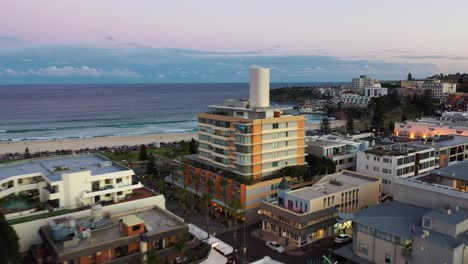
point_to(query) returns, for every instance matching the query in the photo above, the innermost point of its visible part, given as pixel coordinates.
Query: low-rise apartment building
(128, 237)
(342, 151)
(396, 160)
(300, 217)
(449, 149)
(375, 90)
(67, 181)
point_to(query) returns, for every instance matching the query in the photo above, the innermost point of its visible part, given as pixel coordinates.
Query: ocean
(46, 112)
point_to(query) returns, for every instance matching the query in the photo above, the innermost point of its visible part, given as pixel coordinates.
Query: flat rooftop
(325, 143)
(399, 149)
(53, 167)
(457, 171)
(333, 183)
(392, 217)
(156, 220)
(443, 141)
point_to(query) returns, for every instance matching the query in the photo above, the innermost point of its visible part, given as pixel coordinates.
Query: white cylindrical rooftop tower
(259, 95)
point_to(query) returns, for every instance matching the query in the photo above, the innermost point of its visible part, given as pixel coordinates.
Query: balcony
(93, 193)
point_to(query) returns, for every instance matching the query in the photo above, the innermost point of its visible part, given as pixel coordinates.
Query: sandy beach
(74, 144)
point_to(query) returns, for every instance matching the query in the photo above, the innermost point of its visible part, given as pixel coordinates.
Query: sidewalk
(215, 226)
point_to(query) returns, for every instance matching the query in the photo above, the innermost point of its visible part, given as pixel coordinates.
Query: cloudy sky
(116, 41)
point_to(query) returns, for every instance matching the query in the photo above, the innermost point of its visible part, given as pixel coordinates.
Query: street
(256, 248)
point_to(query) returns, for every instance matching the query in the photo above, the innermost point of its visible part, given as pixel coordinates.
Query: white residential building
(68, 181)
(397, 160)
(358, 84)
(439, 89)
(451, 123)
(375, 90)
(341, 150)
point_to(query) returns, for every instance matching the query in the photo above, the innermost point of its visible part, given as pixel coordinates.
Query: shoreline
(91, 143)
(112, 141)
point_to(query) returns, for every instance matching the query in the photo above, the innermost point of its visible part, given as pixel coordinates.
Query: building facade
(302, 216)
(375, 90)
(397, 160)
(68, 181)
(358, 84)
(342, 151)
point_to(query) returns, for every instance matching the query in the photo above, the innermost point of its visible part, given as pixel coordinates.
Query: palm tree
(181, 195)
(196, 177)
(210, 184)
(235, 206)
(206, 198)
(224, 183)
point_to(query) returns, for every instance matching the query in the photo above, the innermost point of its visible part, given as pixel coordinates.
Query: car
(343, 238)
(274, 246)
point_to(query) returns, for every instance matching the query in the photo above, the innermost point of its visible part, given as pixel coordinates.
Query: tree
(143, 153)
(193, 146)
(325, 125)
(224, 183)
(196, 177)
(9, 246)
(320, 165)
(349, 124)
(391, 126)
(206, 199)
(410, 77)
(235, 206)
(27, 155)
(403, 118)
(151, 167)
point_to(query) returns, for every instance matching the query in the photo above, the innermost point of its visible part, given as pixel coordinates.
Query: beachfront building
(375, 90)
(242, 142)
(65, 182)
(303, 216)
(396, 160)
(358, 84)
(342, 151)
(101, 237)
(451, 123)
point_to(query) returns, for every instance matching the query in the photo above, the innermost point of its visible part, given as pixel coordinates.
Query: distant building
(439, 89)
(451, 123)
(358, 84)
(375, 90)
(68, 181)
(124, 238)
(341, 150)
(396, 160)
(300, 217)
(348, 99)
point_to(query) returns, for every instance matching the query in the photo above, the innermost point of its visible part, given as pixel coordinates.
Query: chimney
(259, 90)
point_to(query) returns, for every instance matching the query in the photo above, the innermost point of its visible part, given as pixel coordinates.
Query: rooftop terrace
(396, 149)
(52, 168)
(443, 141)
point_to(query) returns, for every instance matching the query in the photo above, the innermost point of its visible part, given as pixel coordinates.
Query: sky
(153, 41)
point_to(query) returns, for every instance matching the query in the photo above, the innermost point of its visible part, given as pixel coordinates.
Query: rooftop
(443, 141)
(456, 216)
(333, 183)
(457, 171)
(325, 143)
(392, 217)
(399, 149)
(54, 167)
(156, 221)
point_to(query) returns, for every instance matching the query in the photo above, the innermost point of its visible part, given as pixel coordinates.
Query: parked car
(274, 246)
(343, 238)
